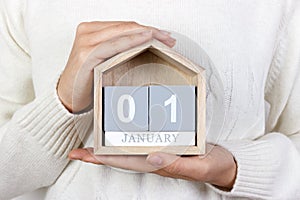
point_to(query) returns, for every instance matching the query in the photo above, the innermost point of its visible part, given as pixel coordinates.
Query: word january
(149, 138)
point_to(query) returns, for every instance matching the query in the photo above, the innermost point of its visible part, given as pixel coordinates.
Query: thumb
(161, 160)
(190, 168)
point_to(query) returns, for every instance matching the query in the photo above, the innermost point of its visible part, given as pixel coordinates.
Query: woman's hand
(217, 166)
(94, 43)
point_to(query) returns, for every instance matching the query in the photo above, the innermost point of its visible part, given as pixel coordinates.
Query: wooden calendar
(147, 99)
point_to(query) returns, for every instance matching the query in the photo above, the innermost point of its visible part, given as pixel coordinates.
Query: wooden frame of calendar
(169, 68)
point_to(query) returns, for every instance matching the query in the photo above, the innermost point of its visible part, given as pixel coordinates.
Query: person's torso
(239, 38)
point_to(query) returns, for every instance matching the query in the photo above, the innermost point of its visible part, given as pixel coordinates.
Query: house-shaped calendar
(148, 99)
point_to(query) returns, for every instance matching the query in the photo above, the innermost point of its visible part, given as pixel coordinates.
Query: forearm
(36, 144)
(267, 168)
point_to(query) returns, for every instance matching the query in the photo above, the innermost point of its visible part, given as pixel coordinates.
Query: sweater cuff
(52, 125)
(255, 169)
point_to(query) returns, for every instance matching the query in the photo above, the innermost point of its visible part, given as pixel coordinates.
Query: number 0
(131, 109)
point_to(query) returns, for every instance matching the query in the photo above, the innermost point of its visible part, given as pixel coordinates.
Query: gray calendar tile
(172, 113)
(131, 99)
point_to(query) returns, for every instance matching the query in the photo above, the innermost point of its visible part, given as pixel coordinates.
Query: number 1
(172, 101)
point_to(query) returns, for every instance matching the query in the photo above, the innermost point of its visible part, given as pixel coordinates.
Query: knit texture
(255, 50)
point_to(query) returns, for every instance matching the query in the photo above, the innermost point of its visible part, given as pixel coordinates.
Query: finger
(85, 155)
(190, 168)
(164, 37)
(167, 165)
(112, 47)
(90, 27)
(135, 163)
(127, 29)
(78, 154)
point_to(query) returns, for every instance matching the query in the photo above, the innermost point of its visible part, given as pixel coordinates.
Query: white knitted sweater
(255, 46)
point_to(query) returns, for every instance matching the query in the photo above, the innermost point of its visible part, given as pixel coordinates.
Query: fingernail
(147, 33)
(165, 32)
(155, 161)
(172, 39)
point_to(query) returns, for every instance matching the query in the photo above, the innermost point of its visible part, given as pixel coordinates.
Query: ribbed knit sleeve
(36, 132)
(268, 167)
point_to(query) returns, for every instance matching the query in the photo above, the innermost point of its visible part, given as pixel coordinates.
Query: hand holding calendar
(94, 43)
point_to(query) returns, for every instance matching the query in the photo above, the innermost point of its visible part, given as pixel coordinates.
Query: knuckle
(126, 26)
(85, 41)
(88, 40)
(154, 30)
(133, 23)
(82, 27)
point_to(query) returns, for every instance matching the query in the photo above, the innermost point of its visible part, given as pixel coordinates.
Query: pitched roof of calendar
(158, 49)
